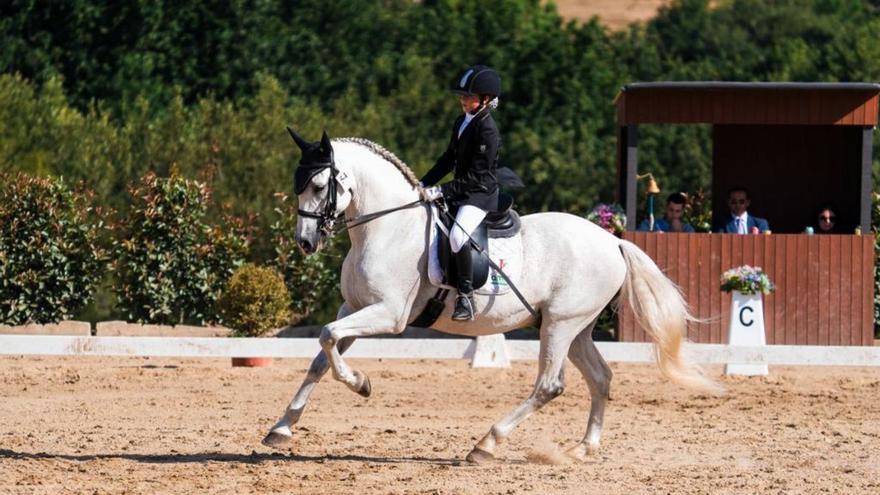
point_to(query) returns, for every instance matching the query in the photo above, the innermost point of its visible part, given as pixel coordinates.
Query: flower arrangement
(746, 279)
(610, 217)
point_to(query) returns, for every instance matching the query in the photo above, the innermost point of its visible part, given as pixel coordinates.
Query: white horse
(572, 269)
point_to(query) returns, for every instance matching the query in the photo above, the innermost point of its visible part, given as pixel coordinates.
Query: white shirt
(743, 227)
(468, 117)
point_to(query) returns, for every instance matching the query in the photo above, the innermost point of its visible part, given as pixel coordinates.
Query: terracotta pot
(252, 362)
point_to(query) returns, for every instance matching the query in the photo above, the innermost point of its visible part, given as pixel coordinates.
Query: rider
(473, 155)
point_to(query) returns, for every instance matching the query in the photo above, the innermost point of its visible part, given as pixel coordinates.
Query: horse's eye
(318, 188)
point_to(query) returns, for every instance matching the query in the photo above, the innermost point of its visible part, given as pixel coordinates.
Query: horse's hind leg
(556, 338)
(586, 358)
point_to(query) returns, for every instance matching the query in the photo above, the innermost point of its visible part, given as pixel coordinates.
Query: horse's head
(316, 184)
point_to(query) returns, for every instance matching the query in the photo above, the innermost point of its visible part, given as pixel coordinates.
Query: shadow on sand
(252, 458)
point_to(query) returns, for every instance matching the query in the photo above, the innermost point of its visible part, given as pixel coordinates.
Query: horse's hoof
(276, 439)
(579, 452)
(480, 456)
(365, 389)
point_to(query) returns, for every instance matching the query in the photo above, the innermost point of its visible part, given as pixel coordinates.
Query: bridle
(327, 217)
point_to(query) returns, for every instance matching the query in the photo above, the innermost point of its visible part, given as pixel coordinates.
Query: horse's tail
(662, 311)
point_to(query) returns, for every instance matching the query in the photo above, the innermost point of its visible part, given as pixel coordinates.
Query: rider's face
(469, 103)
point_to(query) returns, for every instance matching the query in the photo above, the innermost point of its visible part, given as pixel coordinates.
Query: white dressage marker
(490, 352)
(746, 329)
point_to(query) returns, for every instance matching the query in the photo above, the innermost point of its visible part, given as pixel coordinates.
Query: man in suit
(739, 221)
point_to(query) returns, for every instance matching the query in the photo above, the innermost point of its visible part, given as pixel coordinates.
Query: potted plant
(254, 301)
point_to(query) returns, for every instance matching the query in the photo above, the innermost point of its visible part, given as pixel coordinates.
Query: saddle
(502, 223)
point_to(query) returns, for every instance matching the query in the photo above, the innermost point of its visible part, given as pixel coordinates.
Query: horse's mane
(384, 153)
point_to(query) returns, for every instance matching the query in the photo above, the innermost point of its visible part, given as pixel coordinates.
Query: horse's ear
(325, 143)
(302, 143)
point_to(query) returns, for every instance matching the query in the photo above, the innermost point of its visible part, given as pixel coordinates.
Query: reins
(350, 223)
(328, 217)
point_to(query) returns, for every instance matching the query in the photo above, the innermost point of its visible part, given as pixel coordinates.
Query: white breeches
(468, 218)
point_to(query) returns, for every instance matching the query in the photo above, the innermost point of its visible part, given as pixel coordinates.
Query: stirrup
(464, 308)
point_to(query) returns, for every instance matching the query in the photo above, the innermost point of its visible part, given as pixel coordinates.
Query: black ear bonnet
(315, 158)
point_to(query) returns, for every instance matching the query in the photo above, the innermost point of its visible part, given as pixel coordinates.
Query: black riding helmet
(478, 80)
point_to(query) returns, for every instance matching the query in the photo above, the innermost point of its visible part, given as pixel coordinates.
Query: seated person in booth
(672, 221)
(739, 221)
(826, 220)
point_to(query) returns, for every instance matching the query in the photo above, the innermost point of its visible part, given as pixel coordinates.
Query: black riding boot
(464, 303)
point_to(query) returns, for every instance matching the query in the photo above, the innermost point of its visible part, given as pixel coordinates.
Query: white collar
(467, 120)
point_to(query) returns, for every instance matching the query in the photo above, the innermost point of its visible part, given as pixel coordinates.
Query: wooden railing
(824, 295)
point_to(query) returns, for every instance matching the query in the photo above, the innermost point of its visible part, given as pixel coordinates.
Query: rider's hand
(432, 193)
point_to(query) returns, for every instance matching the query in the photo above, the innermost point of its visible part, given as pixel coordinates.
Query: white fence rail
(416, 349)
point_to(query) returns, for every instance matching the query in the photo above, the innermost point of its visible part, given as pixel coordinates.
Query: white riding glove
(432, 193)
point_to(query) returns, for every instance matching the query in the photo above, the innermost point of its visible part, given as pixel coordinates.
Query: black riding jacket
(474, 157)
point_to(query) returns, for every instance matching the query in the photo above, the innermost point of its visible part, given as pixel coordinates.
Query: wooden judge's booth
(800, 145)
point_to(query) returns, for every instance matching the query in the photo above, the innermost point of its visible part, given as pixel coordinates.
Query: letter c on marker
(742, 320)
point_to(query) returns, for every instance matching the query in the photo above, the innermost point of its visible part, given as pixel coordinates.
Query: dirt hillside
(616, 14)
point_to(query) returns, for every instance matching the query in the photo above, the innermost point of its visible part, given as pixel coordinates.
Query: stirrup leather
(464, 307)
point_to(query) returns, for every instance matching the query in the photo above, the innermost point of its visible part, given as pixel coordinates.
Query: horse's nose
(306, 246)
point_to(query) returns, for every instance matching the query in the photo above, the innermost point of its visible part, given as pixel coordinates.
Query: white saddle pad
(504, 252)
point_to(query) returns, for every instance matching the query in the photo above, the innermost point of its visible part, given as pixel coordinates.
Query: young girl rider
(473, 155)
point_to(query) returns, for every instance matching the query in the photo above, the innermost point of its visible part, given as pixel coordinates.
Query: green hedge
(169, 264)
(51, 257)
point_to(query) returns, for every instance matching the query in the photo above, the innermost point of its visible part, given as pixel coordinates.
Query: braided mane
(384, 153)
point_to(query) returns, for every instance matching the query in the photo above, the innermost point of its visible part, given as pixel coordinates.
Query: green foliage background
(169, 265)
(104, 92)
(51, 254)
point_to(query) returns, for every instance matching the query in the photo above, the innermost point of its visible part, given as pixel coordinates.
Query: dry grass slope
(616, 14)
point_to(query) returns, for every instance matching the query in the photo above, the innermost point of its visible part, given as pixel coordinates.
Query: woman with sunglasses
(826, 220)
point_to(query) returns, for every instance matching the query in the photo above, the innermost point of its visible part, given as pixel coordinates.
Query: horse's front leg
(372, 320)
(281, 432)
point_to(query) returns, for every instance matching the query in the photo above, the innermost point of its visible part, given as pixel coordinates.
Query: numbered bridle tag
(345, 181)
